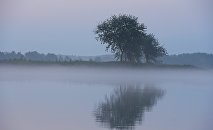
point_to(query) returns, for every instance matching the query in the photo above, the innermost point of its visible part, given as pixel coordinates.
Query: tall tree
(121, 34)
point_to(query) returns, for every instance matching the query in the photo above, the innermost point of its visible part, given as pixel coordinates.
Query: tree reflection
(125, 107)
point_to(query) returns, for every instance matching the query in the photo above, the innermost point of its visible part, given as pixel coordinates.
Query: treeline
(202, 60)
(32, 56)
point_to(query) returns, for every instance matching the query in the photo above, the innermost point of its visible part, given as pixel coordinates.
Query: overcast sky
(66, 26)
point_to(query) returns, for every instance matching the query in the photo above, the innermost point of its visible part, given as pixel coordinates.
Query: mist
(92, 74)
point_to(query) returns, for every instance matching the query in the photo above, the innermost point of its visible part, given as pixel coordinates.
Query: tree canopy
(151, 48)
(127, 39)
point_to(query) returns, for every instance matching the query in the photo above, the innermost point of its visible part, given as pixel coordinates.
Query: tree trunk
(147, 59)
(121, 57)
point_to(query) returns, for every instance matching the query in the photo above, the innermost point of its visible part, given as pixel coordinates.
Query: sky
(67, 26)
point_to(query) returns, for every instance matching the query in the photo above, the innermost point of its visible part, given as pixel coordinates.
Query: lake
(96, 98)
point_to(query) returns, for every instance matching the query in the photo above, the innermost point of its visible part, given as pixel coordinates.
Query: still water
(96, 99)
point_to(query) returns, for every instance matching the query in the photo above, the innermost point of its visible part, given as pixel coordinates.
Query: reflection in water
(126, 105)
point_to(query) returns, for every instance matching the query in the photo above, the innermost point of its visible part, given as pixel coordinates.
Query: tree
(152, 49)
(126, 38)
(121, 34)
(51, 57)
(34, 56)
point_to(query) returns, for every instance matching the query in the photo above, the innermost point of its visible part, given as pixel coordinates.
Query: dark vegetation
(127, 39)
(201, 60)
(35, 58)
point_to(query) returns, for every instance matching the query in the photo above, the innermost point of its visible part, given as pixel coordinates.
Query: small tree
(121, 34)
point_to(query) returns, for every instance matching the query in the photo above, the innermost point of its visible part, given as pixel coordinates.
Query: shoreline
(99, 65)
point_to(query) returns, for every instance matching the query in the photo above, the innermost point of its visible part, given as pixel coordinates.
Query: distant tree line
(202, 60)
(32, 56)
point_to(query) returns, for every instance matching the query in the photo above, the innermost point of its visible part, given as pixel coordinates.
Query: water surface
(65, 98)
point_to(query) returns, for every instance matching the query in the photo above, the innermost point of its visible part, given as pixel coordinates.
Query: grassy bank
(96, 64)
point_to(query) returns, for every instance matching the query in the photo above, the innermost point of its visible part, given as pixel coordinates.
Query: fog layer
(104, 75)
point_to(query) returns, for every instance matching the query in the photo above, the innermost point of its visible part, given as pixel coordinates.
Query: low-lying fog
(107, 75)
(53, 97)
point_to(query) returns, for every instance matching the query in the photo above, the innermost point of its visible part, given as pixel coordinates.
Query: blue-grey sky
(66, 26)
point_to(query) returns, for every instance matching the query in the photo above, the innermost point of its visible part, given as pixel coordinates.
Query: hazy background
(66, 26)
